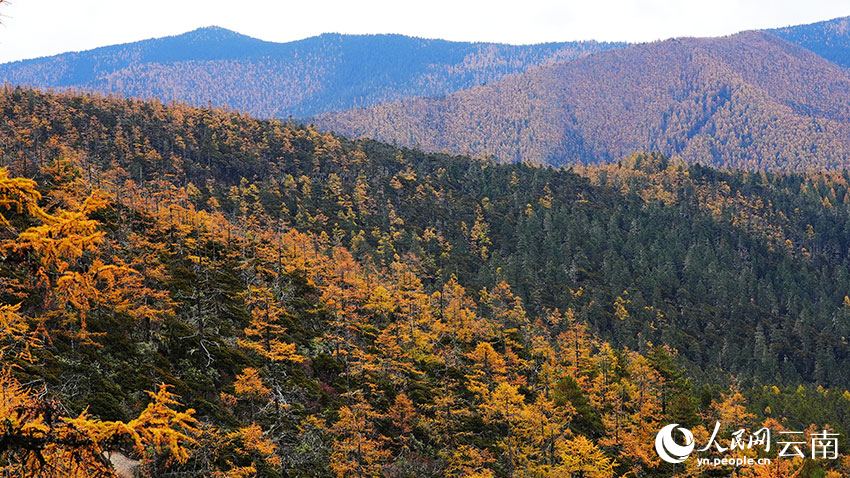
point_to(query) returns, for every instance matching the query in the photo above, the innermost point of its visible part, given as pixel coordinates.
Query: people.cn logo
(668, 449)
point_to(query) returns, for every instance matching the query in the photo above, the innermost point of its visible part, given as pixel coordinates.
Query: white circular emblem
(668, 449)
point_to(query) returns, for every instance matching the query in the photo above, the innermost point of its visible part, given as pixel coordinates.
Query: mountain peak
(212, 33)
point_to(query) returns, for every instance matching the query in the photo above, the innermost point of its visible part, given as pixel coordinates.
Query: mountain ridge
(799, 115)
(829, 39)
(716, 100)
(301, 78)
(280, 284)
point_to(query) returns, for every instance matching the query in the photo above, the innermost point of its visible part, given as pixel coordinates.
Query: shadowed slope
(305, 77)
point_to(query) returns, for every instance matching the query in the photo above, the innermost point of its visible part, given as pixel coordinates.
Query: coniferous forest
(387, 256)
(194, 292)
(323, 73)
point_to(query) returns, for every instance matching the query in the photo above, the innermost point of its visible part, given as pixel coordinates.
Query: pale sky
(33, 28)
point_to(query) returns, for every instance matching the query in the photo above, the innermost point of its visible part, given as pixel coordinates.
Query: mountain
(829, 39)
(749, 100)
(721, 101)
(304, 293)
(301, 78)
(303, 304)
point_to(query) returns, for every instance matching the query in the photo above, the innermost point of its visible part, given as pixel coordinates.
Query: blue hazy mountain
(301, 78)
(829, 39)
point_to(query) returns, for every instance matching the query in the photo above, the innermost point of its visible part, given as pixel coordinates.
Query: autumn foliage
(308, 325)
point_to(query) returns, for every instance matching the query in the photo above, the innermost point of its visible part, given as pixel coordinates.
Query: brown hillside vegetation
(749, 100)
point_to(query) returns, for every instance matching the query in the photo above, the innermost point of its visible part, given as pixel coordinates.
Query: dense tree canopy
(329, 72)
(300, 304)
(749, 101)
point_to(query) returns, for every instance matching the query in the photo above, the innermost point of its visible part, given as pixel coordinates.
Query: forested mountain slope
(301, 78)
(829, 39)
(323, 306)
(749, 101)
(544, 231)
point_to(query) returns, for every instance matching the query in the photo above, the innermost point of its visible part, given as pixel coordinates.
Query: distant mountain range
(750, 100)
(829, 39)
(775, 99)
(301, 78)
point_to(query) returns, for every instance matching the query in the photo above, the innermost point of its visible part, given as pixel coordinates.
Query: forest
(826, 38)
(329, 72)
(201, 293)
(749, 101)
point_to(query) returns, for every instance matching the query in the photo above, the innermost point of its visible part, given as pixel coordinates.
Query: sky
(34, 28)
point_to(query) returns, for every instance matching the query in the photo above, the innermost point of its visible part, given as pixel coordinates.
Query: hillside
(829, 39)
(749, 101)
(305, 296)
(301, 78)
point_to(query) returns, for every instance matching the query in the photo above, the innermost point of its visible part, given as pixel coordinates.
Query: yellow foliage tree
(580, 457)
